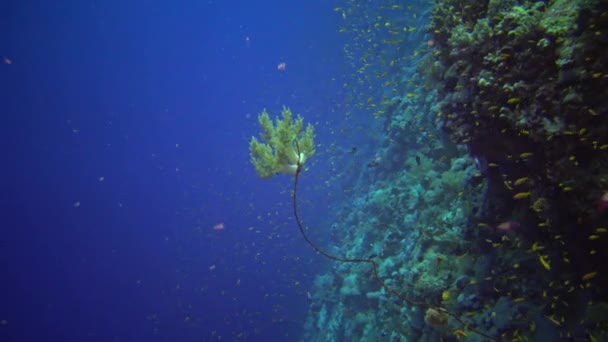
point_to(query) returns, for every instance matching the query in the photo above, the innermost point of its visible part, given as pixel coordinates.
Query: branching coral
(284, 147)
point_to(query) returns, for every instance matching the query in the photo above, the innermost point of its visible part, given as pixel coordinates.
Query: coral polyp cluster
(285, 145)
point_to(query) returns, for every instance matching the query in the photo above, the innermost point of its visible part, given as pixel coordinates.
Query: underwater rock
(435, 318)
(470, 302)
(572, 98)
(568, 76)
(462, 281)
(350, 286)
(416, 320)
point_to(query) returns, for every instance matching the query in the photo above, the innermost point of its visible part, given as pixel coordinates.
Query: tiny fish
(589, 276)
(521, 195)
(544, 262)
(520, 181)
(460, 333)
(513, 100)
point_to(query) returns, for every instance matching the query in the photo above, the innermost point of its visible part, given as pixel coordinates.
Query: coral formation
(527, 99)
(435, 318)
(284, 145)
(502, 222)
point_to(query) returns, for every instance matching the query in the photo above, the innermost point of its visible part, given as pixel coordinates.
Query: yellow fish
(513, 100)
(589, 276)
(520, 181)
(544, 262)
(521, 195)
(460, 333)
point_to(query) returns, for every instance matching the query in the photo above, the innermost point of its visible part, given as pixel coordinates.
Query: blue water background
(125, 130)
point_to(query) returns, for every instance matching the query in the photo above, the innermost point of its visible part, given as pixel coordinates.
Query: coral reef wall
(488, 197)
(524, 85)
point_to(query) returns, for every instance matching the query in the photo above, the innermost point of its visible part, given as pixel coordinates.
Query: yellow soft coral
(284, 147)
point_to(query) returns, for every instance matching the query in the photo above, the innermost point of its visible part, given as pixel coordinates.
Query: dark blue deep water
(125, 131)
